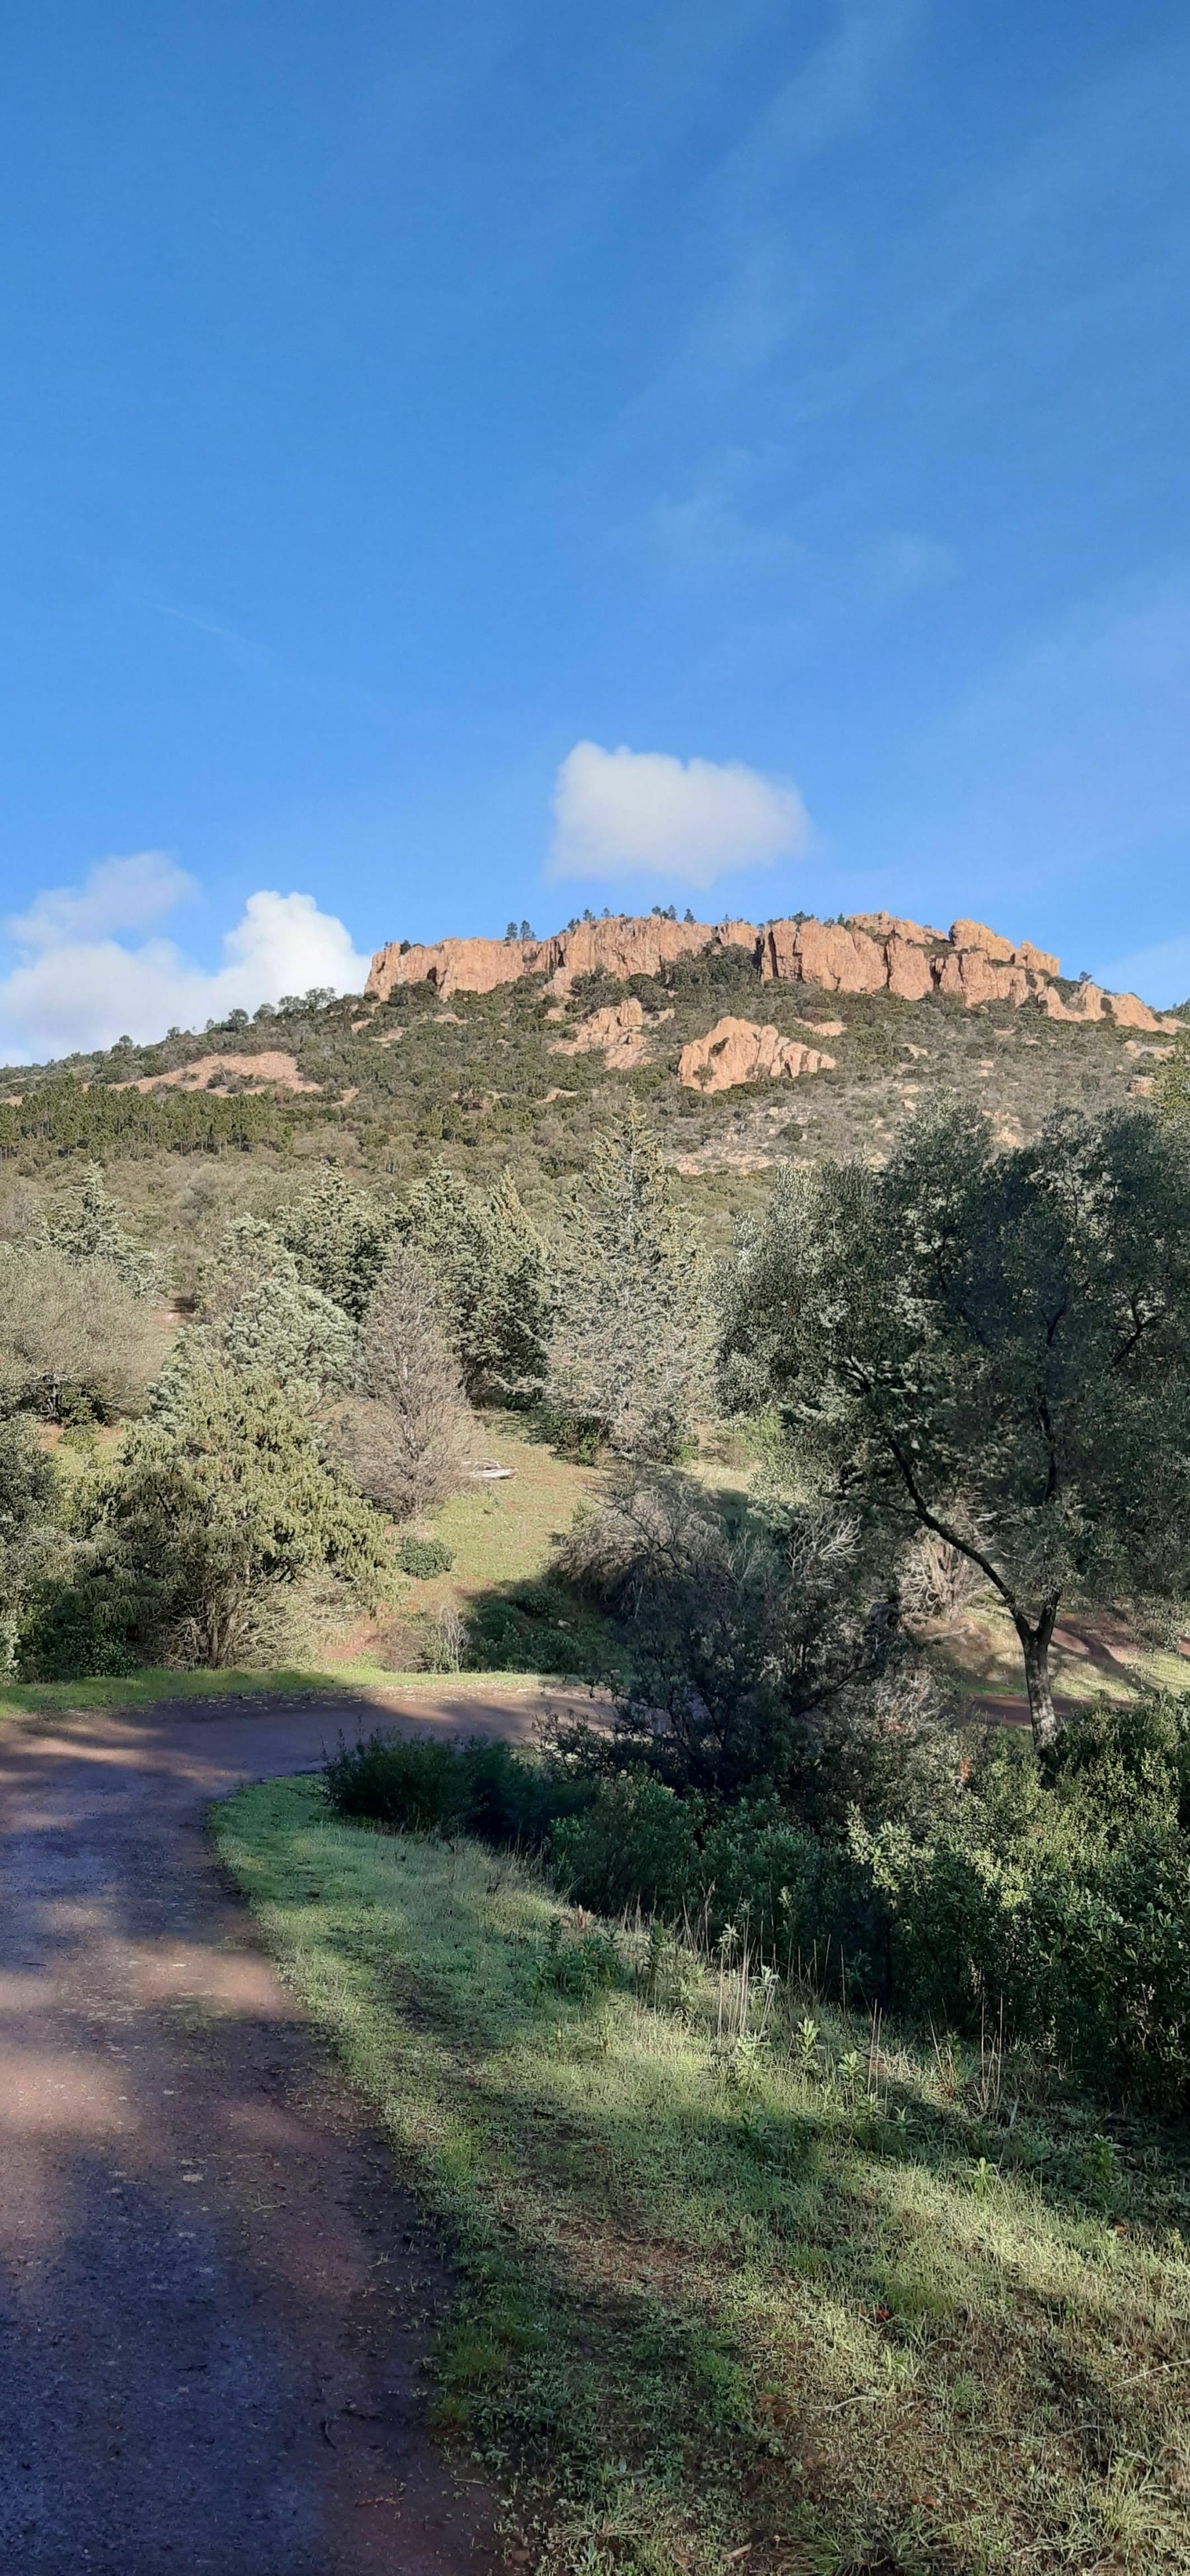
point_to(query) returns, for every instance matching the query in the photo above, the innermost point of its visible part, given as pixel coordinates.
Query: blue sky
(398, 400)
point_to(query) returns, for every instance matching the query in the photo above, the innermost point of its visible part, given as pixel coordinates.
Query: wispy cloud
(1161, 972)
(118, 894)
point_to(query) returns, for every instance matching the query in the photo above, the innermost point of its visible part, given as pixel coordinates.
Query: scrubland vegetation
(744, 2279)
(800, 2062)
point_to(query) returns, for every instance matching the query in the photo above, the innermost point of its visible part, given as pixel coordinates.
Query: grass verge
(738, 2286)
(154, 1684)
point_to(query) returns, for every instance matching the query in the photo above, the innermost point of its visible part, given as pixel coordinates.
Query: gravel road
(216, 2302)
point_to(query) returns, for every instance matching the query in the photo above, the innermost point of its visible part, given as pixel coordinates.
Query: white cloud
(75, 986)
(119, 894)
(620, 813)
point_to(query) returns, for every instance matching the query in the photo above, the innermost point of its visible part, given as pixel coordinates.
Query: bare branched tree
(72, 1330)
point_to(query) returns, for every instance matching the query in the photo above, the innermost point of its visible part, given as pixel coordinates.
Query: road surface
(216, 2303)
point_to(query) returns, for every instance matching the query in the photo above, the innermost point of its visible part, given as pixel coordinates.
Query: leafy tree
(994, 1348)
(215, 1510)
(753, 1660)
(74, 1338)
(339, 1238)
(629, 1353)
(86, 1227)
(407, 1435)
(1171, 1086)
(492, 1268)
(27, 1498)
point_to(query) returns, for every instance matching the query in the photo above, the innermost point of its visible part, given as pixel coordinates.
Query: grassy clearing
(153, 1684)
(1092, 1657)
(738, 2286)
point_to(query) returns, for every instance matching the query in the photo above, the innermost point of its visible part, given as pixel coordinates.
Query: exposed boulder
(910, 972)
(975, 977)
(1086, 1003)
(740, 1051)
(1134, 1014)
(891, 925)
(872, 952)
(620, 1031)
(626, 947)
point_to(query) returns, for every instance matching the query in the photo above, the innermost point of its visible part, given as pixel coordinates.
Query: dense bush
(477, 1787)
(1053, 1906)
(491, 1267)
(75, 1340)
(424, 1557)
(187, 1548)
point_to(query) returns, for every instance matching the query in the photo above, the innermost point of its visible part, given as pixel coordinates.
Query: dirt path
(215, 2302)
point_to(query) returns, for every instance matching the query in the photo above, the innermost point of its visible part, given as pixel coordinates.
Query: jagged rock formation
(619, 948)
(875, 952)
(620, 1032)
(739, 1051)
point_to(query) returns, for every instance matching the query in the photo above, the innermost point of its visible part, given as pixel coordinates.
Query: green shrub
(637, 1844)
(424, 1557)
(1054, 1908)
(478, 1787)
(409, 1785)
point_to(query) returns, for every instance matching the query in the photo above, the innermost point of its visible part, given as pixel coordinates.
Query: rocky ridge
(868, 953)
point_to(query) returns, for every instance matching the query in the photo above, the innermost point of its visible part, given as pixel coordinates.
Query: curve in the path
(216, 2302)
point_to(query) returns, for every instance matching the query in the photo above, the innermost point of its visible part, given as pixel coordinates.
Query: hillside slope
(745, 1043)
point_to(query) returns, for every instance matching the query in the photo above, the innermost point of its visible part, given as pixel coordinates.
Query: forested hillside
(517, 1076)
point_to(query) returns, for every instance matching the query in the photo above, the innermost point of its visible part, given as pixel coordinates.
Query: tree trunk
(1035, 1647)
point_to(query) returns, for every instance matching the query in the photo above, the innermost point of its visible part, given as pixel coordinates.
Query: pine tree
(630, 1351)
(86, 1227)
(339, 1238)
(492, 1270)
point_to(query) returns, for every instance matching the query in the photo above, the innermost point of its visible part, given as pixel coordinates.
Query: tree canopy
(994, 1346)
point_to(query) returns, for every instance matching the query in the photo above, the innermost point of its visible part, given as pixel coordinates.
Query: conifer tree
(630, 1351)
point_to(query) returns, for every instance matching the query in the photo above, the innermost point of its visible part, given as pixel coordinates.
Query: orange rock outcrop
(739, 1051)
(269, 1069)
(620, 1031)
(873, 952)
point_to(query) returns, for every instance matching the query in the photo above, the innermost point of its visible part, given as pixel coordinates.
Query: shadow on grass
(714, 2299)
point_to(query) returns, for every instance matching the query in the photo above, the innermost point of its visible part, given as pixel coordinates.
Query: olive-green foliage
(339, 1238)
(407, 1436)
(85, 1226)
(75, 1340)
(424, 1557)
(265, 1317)
(1049, 1905)
(215, 1510)
(1171, 1087)
(492, 1268)
(62, 1116)
(629, 1353)
(474, 1787)
(28, 1495)
(750, 1659)
(993, 1346)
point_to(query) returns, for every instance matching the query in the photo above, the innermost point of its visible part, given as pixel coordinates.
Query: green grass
(732, 2296)
(1092, 1658)
(152, 1684)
